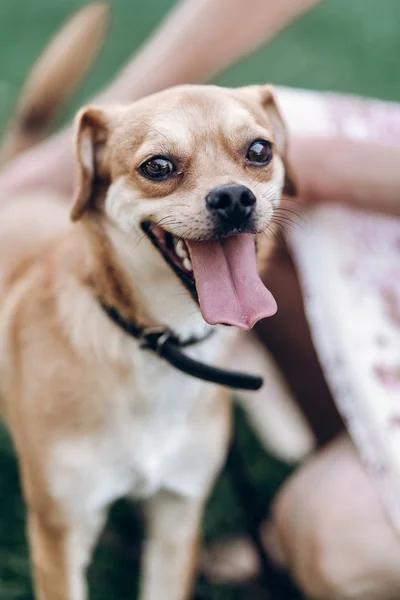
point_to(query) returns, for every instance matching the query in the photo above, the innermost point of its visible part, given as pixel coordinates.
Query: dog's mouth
(221, 274)
(175, 251)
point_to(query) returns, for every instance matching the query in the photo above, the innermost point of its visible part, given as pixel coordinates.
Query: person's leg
(332, 531)
(328, 529)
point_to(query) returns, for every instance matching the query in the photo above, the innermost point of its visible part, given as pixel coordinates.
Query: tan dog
(174, 198)
(95, 417)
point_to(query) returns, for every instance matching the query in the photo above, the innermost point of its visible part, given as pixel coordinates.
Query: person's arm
(360, 174)
(201, 38)
(198, 39)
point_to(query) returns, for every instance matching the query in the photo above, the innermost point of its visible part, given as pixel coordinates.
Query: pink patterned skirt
(349, 267)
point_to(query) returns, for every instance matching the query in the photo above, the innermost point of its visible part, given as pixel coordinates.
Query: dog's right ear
(92, 130)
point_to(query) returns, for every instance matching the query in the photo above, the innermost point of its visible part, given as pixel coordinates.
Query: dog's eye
(157, 168)
(259, 153)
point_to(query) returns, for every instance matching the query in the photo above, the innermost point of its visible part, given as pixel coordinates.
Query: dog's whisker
(285, 220)
(285, 210)
(287, 217)
(286, 225)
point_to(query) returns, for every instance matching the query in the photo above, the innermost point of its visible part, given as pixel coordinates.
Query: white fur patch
(147, 440)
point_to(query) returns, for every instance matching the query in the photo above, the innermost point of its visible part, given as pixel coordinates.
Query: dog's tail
(54, 77)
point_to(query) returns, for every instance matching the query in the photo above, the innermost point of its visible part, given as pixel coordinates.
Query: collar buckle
(168, 346)
(155, 338)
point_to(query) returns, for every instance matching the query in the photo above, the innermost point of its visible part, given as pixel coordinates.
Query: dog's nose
(233, 204)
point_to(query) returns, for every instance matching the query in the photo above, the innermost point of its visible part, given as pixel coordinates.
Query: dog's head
(196, 171)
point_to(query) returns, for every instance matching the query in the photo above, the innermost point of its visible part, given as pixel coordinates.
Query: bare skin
(334, 168)
(331, 493)
(363, 560)
(326, 169)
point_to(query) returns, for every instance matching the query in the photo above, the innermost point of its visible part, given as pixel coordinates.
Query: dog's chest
(161, 421)
(150, 440)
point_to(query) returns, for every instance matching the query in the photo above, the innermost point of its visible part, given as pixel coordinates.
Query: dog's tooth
(187, 264)
(180, 249)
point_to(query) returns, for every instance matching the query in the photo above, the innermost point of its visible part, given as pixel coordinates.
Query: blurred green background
(344, 45)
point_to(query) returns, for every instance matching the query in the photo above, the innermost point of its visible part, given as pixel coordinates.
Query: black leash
(163, 342)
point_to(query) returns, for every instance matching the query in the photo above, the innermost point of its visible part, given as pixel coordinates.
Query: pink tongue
(229, 288)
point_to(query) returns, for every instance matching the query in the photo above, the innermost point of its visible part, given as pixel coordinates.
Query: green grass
(345, 45)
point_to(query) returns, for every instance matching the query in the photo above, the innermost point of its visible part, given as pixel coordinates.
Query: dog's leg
(171, 547)
(60, 555)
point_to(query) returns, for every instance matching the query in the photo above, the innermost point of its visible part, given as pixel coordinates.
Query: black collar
(163, 342)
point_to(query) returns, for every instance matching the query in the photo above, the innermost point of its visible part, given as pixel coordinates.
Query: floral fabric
(349, 266)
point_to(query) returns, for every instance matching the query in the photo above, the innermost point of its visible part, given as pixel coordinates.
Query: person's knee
(301, 544)
(332, 534)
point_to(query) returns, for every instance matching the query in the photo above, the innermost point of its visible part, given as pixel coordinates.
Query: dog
(162, 248)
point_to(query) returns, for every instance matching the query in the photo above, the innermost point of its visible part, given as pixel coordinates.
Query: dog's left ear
(92, 131)
(269, 104)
